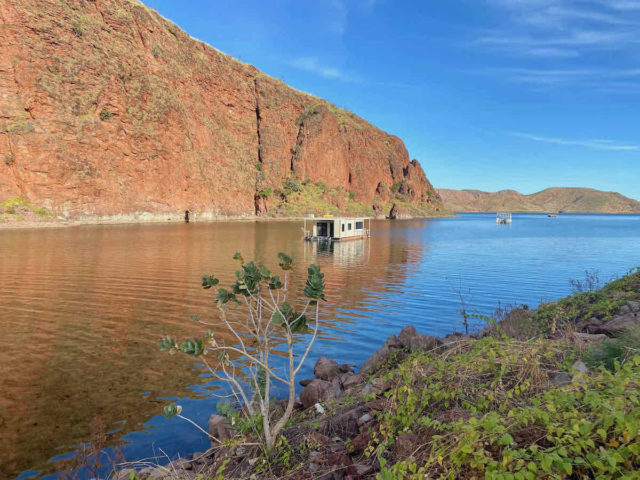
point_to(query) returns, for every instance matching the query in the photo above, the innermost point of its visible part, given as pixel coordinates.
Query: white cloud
(313, 65)
(564, 28)
(597, 144)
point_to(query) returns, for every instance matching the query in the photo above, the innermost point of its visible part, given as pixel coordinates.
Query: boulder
(381, 355)
(350, 380)
(219, 429)
(619, 324)
(587, 339)
(414, 341)
(326, 369)
(634, 306)
(344, 424)
(560, 379)
(124, 474)
(359, 470)
(406, 444)
(318, 391)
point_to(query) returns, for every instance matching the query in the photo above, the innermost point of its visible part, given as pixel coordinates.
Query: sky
(486, 94)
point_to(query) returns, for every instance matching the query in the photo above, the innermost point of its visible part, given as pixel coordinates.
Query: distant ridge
(556, 199)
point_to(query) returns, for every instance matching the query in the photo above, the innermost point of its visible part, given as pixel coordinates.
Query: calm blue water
(409, 272)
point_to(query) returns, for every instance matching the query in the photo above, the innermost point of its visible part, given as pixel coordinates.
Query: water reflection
(81, 309)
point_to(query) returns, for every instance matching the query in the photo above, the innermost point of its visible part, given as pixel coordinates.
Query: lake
(81, 309)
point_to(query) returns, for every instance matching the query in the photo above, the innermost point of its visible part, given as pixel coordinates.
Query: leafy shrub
(615, 351)
(105, 115)
(322, 186)
(156, 52)
(291, 185)
(9, 159)
(307, 113)
(264, 193)
(248, 363)
(76, 29)
(352, 195)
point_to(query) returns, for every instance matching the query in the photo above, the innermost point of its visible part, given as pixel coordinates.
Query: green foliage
(264, 193)
(291, 185)
(321, 185)
(76, 29)
(307, 113)
(156, 51)
(171, 410)
(105, 115)
(486, 411)
(12, 205)
(615, 351)
(9, 159)
(269, 319)
(583, 305)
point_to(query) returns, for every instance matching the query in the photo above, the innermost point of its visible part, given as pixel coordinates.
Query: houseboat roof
(321, 219)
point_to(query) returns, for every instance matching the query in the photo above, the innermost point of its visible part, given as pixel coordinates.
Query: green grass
(11, 206)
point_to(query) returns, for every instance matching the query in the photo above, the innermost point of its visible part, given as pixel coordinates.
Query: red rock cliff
(106, 108)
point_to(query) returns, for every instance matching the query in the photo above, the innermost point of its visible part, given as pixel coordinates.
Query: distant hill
(557, 199)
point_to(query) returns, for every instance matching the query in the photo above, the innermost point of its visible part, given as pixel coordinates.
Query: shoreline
(141, 220)
(342, 417)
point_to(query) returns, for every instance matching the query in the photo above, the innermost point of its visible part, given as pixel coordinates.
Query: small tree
(267, 320)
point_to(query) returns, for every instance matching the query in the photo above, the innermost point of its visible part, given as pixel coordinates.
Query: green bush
(615, 351)
(105, 115)
(9, 159)
(291, 185)
(76, 29)
(247, 363)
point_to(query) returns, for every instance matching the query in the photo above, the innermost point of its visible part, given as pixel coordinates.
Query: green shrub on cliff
(246, 343)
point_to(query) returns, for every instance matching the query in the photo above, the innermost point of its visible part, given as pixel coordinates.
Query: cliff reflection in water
(81, 309)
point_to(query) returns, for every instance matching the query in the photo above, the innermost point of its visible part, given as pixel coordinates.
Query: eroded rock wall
(106, 108)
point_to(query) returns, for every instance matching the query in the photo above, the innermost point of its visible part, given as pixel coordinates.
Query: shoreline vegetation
(551, 392)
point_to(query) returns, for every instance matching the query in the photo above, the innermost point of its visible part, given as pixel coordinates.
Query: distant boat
(552, 215)
(503, 218)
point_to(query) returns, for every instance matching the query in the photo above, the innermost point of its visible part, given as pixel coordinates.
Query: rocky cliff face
(106, 109)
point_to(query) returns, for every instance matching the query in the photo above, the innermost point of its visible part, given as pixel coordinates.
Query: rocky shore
(459, 406)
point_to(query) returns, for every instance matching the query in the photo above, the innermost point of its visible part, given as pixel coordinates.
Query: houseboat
(336, 229)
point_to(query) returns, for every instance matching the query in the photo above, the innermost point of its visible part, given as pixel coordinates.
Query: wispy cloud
(314, 65)
(597, 144)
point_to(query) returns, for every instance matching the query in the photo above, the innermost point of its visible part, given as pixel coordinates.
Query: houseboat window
(358, 225)
(343, 227)
(349, 226)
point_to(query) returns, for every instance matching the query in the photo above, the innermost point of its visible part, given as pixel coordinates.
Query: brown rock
(406, 444)
(588, 338)
(350, 380)
(361, 441)
(219, 428)
(359, 470)
(381, 355)
(414, 341)
(318, 391)
(619, 324)
(326, 369)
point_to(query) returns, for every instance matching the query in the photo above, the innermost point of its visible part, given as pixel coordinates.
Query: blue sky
(486, 94)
